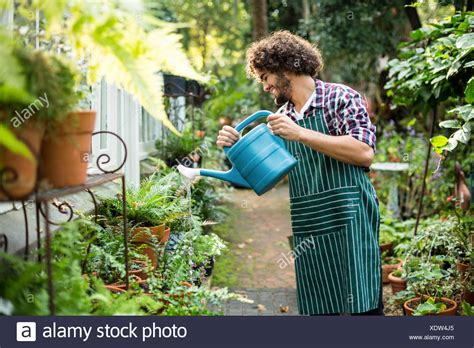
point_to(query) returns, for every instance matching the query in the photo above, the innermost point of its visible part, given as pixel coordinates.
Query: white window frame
(6, 19)
(150, 130)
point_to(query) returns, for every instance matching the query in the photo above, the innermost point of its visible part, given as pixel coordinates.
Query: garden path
(256, 232)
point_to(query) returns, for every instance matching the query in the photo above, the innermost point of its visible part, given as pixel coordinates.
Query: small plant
(401, 297)
(389, 260)
(106, 258)
(152, 204)
(177, 150)
(467, 309)
(399, 273)
(461, 248)
(50, 81)
(430, 306)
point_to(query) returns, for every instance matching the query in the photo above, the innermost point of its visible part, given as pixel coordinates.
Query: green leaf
(439, 141)
(453, 69)
(450, 124)
(467, 309)
(469, 64)
(466, 112)
(452, 144)
(9, 140)
(412, 122)
(467, 128)
(438, 79)
(469, 91)
(429, 307)
(417, 34)
(462, 135)
(464, 25)
(465, 41)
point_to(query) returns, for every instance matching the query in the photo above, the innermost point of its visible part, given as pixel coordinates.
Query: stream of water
(188, 183)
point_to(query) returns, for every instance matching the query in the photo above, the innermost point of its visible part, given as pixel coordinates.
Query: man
(327, 128)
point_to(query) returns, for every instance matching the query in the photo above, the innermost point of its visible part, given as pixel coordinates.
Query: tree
(215, 33)
(259, 19)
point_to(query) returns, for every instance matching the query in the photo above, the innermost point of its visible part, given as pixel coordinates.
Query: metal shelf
(42, 199)
(92, 181)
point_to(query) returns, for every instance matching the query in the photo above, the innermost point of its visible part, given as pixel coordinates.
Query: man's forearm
(343, 148)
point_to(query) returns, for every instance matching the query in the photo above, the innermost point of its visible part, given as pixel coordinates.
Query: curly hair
(283, 51)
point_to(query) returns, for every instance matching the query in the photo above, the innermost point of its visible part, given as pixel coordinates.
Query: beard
(283, 85)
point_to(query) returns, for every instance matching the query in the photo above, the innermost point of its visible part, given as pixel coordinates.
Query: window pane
(103, 114)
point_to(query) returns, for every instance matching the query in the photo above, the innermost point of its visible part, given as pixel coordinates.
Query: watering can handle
(252, 118)
(259, 114)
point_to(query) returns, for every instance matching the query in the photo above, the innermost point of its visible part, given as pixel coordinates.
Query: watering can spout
(232, 176)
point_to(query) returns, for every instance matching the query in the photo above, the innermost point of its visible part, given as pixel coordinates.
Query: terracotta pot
(200, 133)
(465, 270)
(386, 247)
(387, 269)
(398, 284)
(186, 284)
(462, 267)
(65, 153)
(141, 237)
(25, 169)
(142, 234)
(141, 272)
(122, 287)
(410, 305)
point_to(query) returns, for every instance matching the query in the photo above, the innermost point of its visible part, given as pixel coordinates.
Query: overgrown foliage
(436, 66)
(116, 45)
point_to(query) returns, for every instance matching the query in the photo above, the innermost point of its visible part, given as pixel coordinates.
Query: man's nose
(266, 87)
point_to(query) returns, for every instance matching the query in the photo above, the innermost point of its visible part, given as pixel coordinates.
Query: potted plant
(206, 248)
(66, 148)
(151, 208)
(389, 264)
(400, 297)
(461, 249)
(106, 259)
(430, 306)
(150, 241)
(45, 120)
(179, 149)
(397, 280)
(433, 278)
(25, 106)
(18, 161)
(386, 238)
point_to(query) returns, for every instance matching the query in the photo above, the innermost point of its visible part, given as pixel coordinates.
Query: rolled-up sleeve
(355, 119)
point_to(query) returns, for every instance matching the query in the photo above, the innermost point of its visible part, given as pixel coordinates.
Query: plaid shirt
(344, 110)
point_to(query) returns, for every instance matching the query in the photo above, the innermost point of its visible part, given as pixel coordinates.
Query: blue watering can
(259, 159)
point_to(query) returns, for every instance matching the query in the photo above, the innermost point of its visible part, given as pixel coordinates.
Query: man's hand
(227, 136)
(284, 126)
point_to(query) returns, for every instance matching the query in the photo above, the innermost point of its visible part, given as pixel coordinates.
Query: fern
(116, 47)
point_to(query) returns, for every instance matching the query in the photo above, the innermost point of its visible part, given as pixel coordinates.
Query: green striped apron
(335, 220)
